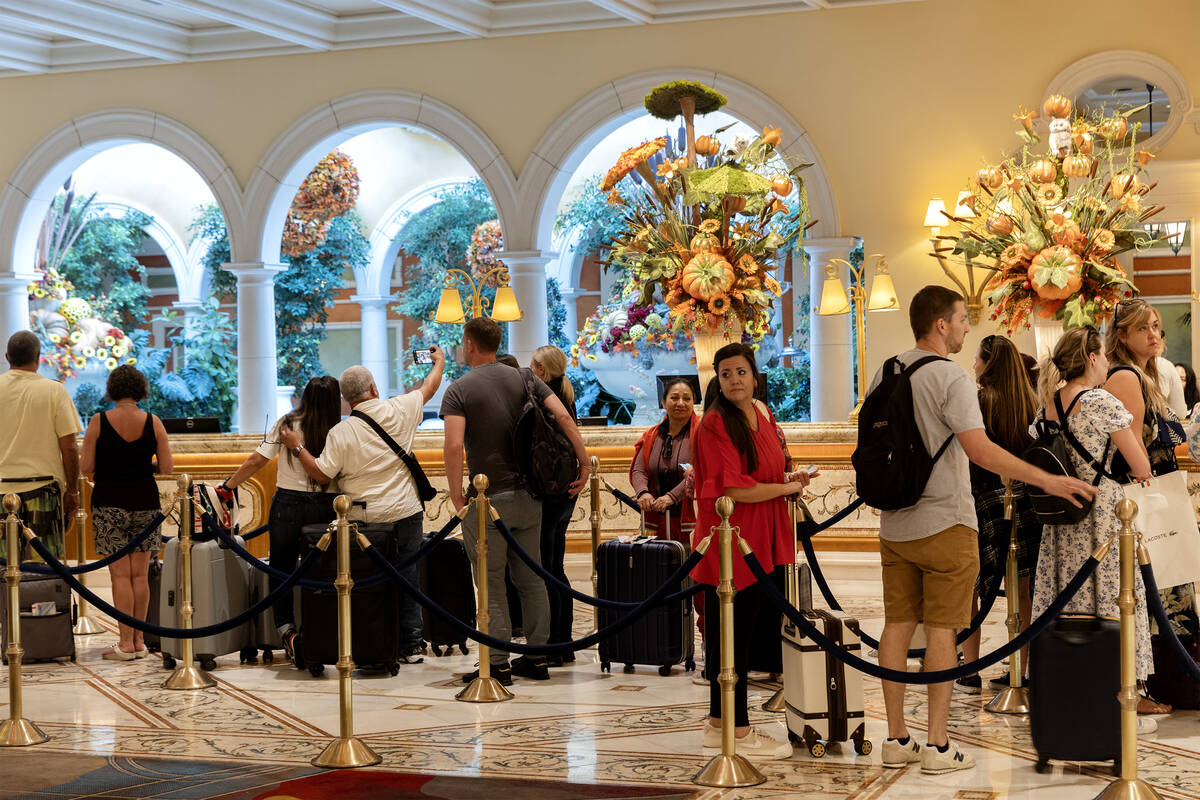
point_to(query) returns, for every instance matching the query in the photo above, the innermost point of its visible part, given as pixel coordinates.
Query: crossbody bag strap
(425, 490)
(1065, 425)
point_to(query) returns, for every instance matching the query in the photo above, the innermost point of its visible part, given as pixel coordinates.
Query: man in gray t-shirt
(929, 552)
(480, 410)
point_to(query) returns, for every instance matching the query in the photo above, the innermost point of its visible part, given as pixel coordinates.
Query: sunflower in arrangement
(1055, 221)
(703, 226)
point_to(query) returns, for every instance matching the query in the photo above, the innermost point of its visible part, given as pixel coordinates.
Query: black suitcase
(154, 578)
(630, 572)
(1074, 679)
(43, 638)
(446, 579)
(374, 611)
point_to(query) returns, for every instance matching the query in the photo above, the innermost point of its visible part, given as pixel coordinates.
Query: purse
(425, 490)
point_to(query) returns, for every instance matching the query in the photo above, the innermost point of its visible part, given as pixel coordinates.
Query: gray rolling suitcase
(43, 638)
(264, 634)
(220, 591)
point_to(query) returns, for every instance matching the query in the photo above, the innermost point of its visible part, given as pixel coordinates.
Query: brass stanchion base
(346, 753)
(1010, 700)
(776, 703)
(86, 626)
(729, 772)
(189, 676)
(484, 690)
(1122, 789)
(20, 733)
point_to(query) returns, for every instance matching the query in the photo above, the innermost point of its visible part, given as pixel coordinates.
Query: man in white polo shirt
(371, 473)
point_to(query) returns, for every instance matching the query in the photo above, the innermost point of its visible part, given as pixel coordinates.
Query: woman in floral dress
(1094, 416)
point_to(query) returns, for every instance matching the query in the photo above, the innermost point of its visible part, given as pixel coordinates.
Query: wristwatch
(297, 450)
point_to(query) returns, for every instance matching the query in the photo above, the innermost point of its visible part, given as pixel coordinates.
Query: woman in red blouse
(739, 454)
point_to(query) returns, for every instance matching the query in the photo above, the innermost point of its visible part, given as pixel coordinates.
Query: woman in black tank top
(121, 447)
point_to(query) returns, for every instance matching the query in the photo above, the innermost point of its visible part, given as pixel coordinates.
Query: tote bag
(1168, 525)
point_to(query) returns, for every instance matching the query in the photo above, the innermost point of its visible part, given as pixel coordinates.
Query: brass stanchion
(187, 675)
(1014, 698)
(15, 731)
(1128, 786)
(84, 624)
(727, 770)
(485, 688)
(347, 750)
(594, 486)
(778, 701)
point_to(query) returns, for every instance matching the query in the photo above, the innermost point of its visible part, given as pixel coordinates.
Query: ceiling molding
(279, 19)
(99, 25)
(456, 17)
(640, 11)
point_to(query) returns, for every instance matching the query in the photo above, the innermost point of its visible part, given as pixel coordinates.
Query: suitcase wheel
(248, 655)
(629, 668)
(690, 665)
(463, 647)
(268, 656)
(437, 651)
(794, 739)
(1042, 764)
(393, 668)
(816, 750)
(168, 661)
(605, 666)
(664, 670)
(208, 664)
(316, 670)
(863, 747)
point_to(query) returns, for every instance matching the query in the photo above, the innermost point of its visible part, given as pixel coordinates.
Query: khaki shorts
(931, 580)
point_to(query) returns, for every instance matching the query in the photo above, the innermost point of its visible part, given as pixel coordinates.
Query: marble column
(831, 356)
(257, 378)
(527, 270)
(14, 306)
(571, 328)
(190, 311)
(373, 321)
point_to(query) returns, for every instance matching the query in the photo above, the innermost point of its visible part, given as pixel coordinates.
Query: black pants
(556, 516)
(748, 604)
(290, 512)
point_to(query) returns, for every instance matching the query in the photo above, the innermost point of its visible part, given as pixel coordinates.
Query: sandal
(1148, 705)
(115, 653)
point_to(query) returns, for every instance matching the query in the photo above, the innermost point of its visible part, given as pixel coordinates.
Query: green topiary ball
(663, 101)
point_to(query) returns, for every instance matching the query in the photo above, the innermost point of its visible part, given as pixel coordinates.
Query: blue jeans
(290, 512)
(409, 533)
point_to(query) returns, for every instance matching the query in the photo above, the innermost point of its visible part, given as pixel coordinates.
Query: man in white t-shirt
(929, 551)
(370, 472)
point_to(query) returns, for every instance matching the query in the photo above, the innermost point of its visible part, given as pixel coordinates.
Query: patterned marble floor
(581, 726)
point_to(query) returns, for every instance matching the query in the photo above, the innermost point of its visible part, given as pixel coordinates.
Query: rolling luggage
(374, 611)
(824, 699)
(264, 634)
(1074, 679)
(220, 591)
(630, 572)
(154, 579)
(43, 638)
(446, 579)
(1171, 682)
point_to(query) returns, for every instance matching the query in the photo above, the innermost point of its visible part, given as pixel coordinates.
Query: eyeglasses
(266, 430)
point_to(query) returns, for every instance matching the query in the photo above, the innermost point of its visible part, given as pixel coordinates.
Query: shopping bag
(1167, 520)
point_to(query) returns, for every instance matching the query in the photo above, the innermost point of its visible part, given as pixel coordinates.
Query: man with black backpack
(483, 410)
(927, 529)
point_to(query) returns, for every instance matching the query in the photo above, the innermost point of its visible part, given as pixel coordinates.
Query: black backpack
(1051, 452)
(891, 463)
(546, 459)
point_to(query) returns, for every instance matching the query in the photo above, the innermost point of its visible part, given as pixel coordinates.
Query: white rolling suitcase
(220, 591)
(824, 697)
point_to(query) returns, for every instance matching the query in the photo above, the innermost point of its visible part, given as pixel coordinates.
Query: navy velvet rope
(259, 531)
(939, 676)
(1164, 624)
(175, 633)
(111, 558)
(423, 551)
(810, 555)
(533, 649)
(626, 499)
(599, 602)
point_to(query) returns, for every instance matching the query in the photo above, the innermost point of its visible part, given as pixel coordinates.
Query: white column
(190, 310)
(527, 270)
(572, 308)
(831, 356)
(257, 378)
(374, 332)
(14, 306)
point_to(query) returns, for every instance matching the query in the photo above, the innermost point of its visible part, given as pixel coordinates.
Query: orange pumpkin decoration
(1077, 166)
(1058, 106)
(781, 185)
(1056, 273)
(991, 177)
(999, 225)
(1084, 143)
(772, 136)
(705, 242)
(708, 146)
(1122, 184)
(1114, 128)
(1044, 170)
(706, 275)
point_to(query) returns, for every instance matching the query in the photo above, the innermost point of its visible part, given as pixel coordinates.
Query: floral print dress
(1064, 548)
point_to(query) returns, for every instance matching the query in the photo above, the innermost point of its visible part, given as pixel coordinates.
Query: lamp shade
(505, 308)
(833, 298)
(450, 307)
(960, 207)
(883, 294)
(934, 218)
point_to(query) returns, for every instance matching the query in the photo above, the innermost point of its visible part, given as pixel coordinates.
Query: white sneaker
(935, 762)
(896, 755)
(756, 745)
(1146, 725)
(712, 737)
(698, 676)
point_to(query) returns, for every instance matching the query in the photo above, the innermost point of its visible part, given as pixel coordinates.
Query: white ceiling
(40, 36)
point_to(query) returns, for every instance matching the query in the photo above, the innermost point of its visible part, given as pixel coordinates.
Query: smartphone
(812, 469)
(423, 356)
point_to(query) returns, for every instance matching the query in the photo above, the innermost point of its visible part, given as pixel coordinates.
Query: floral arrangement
(626, 325)
(702, 226)
(71, 334)
(329, 191)
(486, 241)
(1055, 221)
